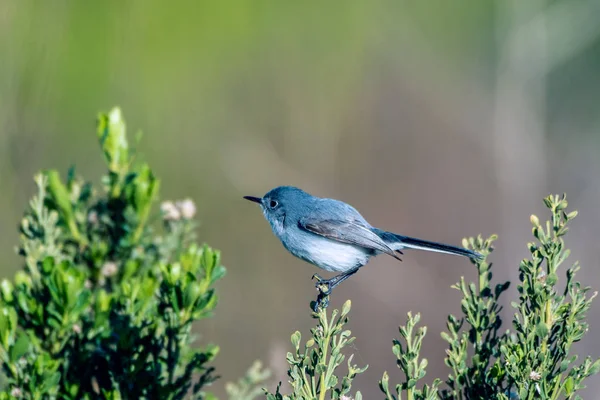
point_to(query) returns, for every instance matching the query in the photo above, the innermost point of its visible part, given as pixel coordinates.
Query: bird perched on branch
(333, 236)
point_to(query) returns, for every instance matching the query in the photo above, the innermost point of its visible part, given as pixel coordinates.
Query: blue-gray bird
(333, 235)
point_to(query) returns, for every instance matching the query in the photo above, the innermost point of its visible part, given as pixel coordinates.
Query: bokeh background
(435, 119)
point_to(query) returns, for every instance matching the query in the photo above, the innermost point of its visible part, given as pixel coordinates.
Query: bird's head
(278, 203)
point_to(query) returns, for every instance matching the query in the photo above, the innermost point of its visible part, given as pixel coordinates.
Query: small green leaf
(51, 380)
(569, 385)
(541, 330)
(595, 367)
(60, 195)
(6, 288)
(333, 381)
(346, 308)
(113, 140)
(192, 292)
(296, 336)
(20, 348)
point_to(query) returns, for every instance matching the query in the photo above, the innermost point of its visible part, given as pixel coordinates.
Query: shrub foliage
(104, 305)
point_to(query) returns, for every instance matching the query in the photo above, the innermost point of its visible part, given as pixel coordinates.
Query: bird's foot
(323, 285)
(324, 288)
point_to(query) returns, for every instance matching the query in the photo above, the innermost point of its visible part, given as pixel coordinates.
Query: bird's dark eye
(273, 203)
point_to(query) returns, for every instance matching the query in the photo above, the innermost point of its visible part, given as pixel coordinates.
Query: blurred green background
(435, 119)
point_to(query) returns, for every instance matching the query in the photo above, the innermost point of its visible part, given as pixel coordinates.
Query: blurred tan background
(435, 119)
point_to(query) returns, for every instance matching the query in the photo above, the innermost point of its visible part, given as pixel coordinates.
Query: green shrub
(313, 366)
(105, 302)
(533, 360)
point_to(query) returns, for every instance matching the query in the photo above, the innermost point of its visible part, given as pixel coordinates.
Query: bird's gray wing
(351, 232)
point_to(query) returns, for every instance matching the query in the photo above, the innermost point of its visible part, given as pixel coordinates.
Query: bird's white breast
(332, 256)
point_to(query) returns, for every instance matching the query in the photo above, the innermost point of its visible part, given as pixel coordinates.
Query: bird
(333, 236)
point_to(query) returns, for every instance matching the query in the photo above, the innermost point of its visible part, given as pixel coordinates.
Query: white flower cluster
(174, 211)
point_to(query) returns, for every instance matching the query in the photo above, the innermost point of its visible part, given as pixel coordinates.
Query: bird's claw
(324, 287)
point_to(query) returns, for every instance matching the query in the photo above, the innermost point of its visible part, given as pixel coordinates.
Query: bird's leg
(325, 286)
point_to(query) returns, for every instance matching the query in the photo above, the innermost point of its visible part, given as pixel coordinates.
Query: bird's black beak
(254, 199)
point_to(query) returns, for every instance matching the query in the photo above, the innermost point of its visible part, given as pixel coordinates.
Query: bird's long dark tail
(398, 242)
